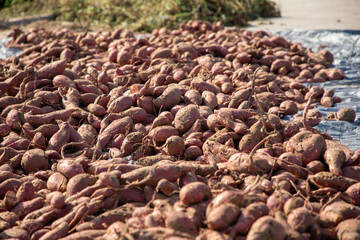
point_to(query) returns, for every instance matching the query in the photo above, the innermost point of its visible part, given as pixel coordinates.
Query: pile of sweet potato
(175, 136)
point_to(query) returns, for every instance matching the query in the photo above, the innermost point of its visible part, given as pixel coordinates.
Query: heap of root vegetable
(175, 136)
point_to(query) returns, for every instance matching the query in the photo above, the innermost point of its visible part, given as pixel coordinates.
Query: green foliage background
(145, 15)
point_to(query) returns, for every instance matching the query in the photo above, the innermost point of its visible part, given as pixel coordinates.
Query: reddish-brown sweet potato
(194, 192)
(186, 117)
(266, 227)
(34, 160)
(309, 145)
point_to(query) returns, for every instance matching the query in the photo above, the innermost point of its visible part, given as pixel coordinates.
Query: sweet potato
(166, 187)
(309, 145)
(292, 203)
(9, 100)
(87, 234)
(87, 133)
(169, 98)
(193, 97)
(240, 162)
(219, 150)
(25, 192)
(69, 167)
(120, 104)
(79, 182)
(162, 133)
(288, 107)
(186, 117)
(34, 160)
(5, 129)
(266, 227)
(327, 179)
(107, 218)
(47, 130)
(15, 233)
(56, 199)
(335, 158)
(249, 140)
(192, 152)
(10, 218)
(24, 208)
(223, 216)
(137, 114)
(175, 146)
(348, 229)
(238, 97)
(180, 222)
(121, 125)
(151, 175)
(56, 233)
(300, 219)
(39, 119)
(209, 99)
(346, 114)
(194, 192)
(336, 212)
(277, 200)
(161, 52)
(13, 119)
(201, 86)
(11, 184)
(57, 182)
(247, 217)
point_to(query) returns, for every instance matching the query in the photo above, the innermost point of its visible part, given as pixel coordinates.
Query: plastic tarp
(345, 45)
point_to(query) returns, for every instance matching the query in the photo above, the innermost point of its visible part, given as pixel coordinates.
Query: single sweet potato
(327, 179)
(79, 182)
(180, 222)
(309, 145)
(34, 160)
(168, 99)
(194, 192)
(335, 158)
(336, 212)
(300, 219)
(348, 229)
(222, 217)
(175, 146)
(266, 227)
(186, 117)
(57, 182)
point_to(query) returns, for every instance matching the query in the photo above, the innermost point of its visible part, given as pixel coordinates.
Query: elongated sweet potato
(336, 212)
(24, 208)
(335, 158)
(327, 179)
(79, 182)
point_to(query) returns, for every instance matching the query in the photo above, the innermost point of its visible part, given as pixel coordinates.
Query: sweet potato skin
(194, 192)
(266, 228)
(186, 117)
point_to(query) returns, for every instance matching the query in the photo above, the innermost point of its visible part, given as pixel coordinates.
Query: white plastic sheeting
(345, 46)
